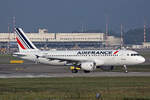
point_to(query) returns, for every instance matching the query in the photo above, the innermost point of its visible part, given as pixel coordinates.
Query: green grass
(83, 88)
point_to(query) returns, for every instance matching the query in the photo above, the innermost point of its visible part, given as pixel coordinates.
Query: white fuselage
(100, 57)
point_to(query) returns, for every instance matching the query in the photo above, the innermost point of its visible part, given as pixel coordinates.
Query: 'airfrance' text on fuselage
(94, 52)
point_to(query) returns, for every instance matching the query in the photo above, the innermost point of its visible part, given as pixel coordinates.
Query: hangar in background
(63, 40)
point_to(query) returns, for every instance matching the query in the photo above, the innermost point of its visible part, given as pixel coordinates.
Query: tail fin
(23, 41)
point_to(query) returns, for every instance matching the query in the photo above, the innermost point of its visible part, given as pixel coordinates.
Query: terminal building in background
(43, 39)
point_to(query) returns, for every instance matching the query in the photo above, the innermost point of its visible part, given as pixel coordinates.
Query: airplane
(87, 60)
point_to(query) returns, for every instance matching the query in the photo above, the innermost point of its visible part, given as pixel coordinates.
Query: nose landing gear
(125, 68)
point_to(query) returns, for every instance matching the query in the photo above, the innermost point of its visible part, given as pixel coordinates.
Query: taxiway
(31, 70)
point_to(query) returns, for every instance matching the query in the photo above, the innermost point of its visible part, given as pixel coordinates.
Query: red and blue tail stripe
(22, 40)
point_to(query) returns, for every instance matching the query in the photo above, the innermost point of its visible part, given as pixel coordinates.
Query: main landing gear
(125, 68)
(37, 59)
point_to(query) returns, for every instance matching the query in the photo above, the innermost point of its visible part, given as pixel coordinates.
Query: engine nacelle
(88, 66)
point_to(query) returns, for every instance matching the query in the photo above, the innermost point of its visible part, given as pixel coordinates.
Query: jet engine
(88, 66)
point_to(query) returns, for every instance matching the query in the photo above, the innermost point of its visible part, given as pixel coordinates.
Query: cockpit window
(135, 55)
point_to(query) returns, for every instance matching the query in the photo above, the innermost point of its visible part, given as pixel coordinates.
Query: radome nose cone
(142, 59)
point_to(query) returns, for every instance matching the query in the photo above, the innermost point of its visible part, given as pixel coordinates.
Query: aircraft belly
(105, 61)
(51, 62)
(55, 63)
(31, 58)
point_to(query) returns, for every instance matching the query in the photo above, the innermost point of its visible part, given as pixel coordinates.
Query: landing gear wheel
(74, 71)
(86, 71)
(125, 68)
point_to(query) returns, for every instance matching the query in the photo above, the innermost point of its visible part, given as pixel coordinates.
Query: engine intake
(88, 66)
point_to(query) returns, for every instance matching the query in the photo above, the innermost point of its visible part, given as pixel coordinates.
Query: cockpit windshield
(135, 54)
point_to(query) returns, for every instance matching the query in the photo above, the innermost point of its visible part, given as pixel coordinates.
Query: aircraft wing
(74, 61)
(68, 60)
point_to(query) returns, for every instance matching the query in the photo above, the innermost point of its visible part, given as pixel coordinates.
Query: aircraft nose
(141, 59)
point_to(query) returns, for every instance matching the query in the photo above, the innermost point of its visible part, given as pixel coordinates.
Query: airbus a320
(87, 60)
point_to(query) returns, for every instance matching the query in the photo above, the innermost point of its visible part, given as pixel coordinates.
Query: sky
(71, 15)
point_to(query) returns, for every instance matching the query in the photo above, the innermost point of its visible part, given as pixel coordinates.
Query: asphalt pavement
(30, 70)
